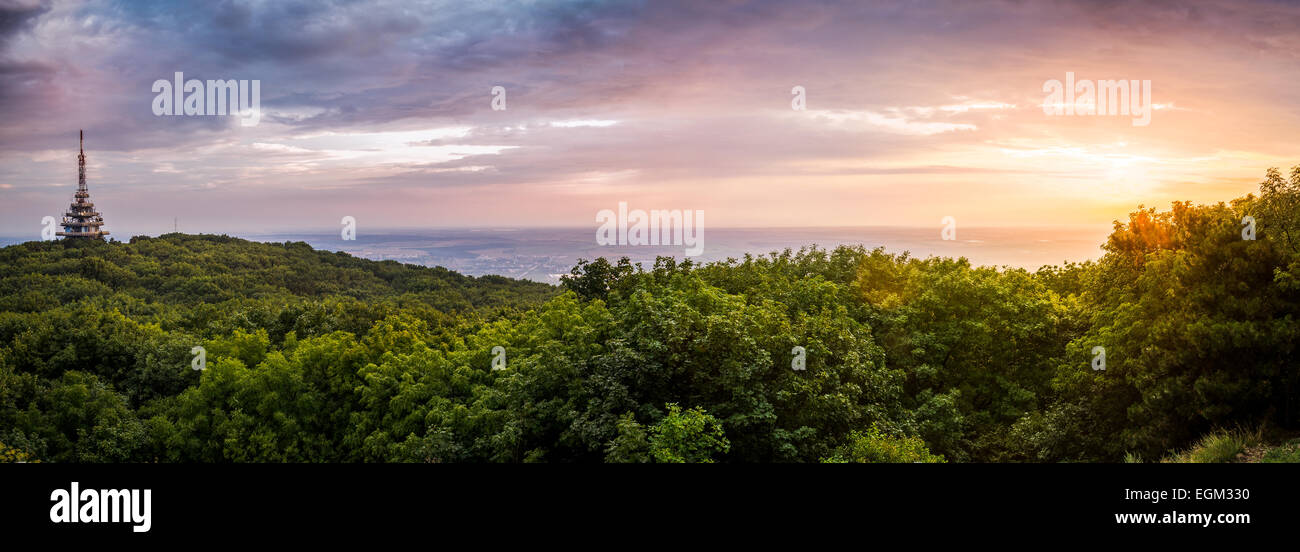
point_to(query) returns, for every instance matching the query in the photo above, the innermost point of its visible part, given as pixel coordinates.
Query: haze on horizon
(915, 111)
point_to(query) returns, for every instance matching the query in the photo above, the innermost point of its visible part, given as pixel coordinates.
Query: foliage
(11, 455)
(1287, 453)
(321, 357)
(631, 446)
(687, 437)
(1217, 447)
(874, 447)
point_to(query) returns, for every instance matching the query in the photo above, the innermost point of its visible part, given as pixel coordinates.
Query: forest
(314, 356)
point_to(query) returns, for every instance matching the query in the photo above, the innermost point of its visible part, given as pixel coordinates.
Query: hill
(197, 269)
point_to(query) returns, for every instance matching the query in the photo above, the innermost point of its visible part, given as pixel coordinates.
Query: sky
(383, 111)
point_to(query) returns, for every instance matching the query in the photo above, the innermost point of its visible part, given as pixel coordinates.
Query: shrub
(1288, 453)
(875, 447)
(1217, 447)
(687, 436)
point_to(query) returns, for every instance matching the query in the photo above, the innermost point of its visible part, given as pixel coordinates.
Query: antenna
(81, 164)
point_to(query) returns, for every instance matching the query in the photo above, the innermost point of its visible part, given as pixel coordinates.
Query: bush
(1288, 453)
(874, 447)
(1218, 447)
(11, 455)
(687, 437)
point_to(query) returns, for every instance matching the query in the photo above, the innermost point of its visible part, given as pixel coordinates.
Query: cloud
(911, 103)
(895, 123)
(599, 123)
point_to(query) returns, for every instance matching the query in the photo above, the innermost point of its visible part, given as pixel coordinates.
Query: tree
(631, 445)
(874, 447)
(1279, 207)
(687, 436)
(595, 279)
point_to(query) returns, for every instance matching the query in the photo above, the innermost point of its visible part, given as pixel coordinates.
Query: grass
(1286, 453)
(1237, 445)
(1217, 447)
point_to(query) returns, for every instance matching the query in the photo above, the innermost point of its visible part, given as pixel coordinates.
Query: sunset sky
(915, 111)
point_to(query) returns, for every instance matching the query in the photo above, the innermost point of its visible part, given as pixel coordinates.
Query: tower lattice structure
(82, 220)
